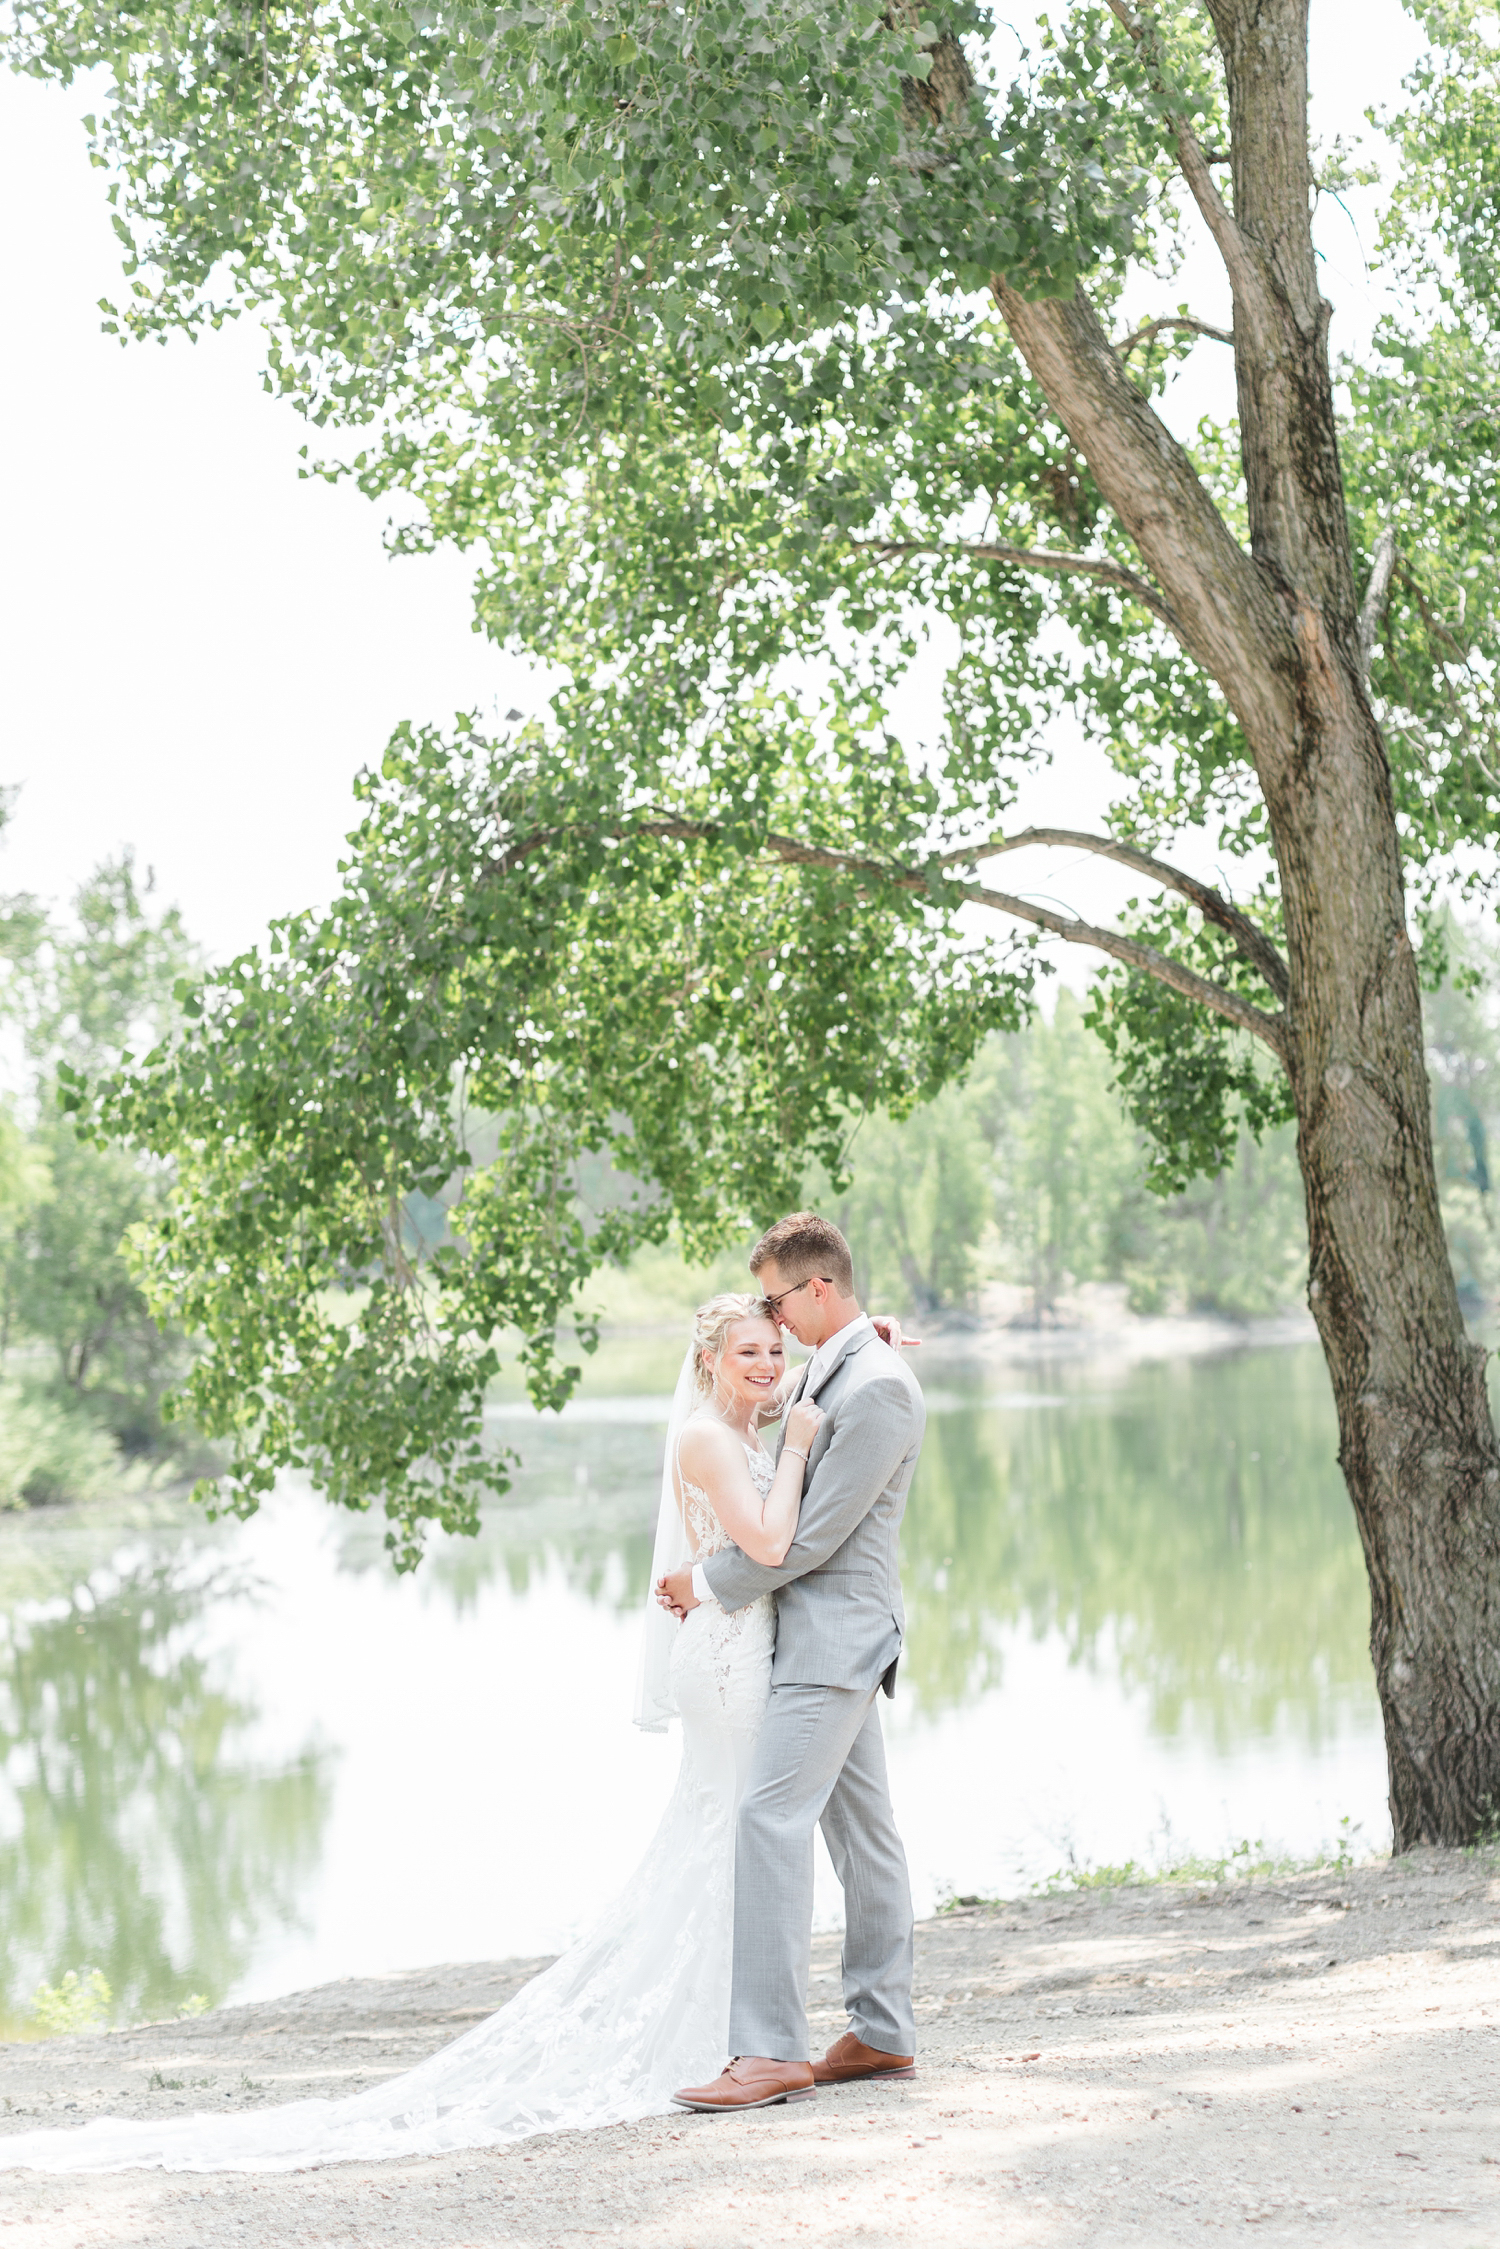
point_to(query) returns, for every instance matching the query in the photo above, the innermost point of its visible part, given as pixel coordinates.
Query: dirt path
(1317, 2059)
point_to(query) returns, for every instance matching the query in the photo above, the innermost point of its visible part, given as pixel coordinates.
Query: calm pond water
(239, 1759)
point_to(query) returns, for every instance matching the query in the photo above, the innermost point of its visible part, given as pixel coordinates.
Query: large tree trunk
(1418, 1446)
(1279, 630)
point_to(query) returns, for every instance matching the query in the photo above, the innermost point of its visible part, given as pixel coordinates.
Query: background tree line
(84, 1367)
(1031, 1172)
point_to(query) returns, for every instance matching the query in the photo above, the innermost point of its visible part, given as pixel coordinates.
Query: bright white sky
(200, 649)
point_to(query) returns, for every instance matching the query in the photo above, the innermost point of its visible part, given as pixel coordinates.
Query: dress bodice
(704, 1528)
(721, 1659)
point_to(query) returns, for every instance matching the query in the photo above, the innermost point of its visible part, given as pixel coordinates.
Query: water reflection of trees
(1188, 1526)
(583, 1505)
(134, 1836)
(1191, 1527)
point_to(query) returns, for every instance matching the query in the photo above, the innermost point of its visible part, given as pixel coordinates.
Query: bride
(639, 2005)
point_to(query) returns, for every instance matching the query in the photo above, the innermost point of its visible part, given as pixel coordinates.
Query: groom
(820, 1756)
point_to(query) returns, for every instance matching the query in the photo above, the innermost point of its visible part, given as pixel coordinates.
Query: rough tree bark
(1279, 629)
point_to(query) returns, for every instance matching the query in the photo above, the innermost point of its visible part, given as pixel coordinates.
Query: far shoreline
(1091, 1326)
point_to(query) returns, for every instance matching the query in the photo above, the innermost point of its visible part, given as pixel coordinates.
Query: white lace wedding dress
(636, 2008)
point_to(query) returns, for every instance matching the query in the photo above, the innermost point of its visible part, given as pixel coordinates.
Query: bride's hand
(675, 1593)
(888, 1328)
(802, 1425)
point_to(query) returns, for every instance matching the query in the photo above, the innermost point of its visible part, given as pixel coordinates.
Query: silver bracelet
(796, 1449)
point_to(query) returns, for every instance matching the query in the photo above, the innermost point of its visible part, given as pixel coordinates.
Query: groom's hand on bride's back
(675, 1592)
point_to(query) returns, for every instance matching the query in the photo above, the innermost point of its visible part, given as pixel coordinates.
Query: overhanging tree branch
(1030, 558)
(1228, 619)
(792, 851)
(1223, 613)
(1240, 1012)
(1252, 943)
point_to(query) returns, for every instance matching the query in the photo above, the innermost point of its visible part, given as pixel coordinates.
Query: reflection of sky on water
(1137, 1610)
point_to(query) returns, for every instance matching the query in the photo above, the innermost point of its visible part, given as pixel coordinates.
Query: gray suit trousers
(820, 1757)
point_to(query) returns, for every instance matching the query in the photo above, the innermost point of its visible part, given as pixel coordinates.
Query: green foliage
(1463, 1064)
(81, 996)
(49, 1451)
(79, 2002)
(1422, 453)
(25, 1185)
(1030, 1172)
(71, 1287)
(1067, 1164)
(918, 1202)
(1248, 1861)
(676, 319)
(709, 1021)
(1190, 1080)
(388, 180)
(1234, 1245)
(92, 992)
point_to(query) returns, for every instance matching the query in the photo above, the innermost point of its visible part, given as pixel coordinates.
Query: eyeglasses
(776, 1302)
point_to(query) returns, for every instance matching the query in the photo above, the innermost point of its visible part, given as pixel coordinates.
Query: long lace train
(637, 2007)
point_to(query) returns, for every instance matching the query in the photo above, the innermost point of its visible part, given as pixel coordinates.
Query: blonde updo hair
(711, 1325)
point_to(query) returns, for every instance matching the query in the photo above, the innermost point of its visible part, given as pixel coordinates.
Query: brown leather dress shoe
(849, 2059)
(751, 2082)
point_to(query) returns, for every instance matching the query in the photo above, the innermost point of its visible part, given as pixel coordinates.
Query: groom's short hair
(805, 1245)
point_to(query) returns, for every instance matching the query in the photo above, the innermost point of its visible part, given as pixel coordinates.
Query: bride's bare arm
(784, 1499)
(713, 1458)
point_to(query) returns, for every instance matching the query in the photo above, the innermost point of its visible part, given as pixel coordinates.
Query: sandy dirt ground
(1315, 2059)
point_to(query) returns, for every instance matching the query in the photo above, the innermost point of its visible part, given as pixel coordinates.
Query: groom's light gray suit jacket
(839, 1617)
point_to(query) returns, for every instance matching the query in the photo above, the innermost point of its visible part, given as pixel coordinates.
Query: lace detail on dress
(727, 1645)
(707, 1532)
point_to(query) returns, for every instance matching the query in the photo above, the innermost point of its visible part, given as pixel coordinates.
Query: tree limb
(1244, 272)
(1224, 612)
(1227, 616)
(1033, 558)
(1251, 943)
(1181, 323)
(1242, 1013)
(1377, 594)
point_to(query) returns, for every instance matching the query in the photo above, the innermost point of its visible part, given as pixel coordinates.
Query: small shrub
(1247, 1862)
(79, 2002)
(50, 1451)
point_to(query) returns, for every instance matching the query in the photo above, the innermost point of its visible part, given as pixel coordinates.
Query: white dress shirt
(826, 1353)
(818, 1366)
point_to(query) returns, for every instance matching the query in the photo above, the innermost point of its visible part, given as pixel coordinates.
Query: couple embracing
(773, 1623)
(796, 1589)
